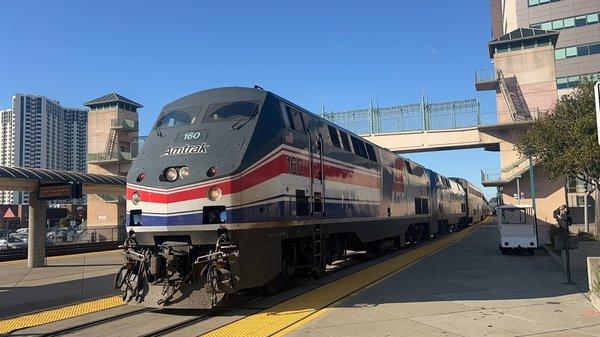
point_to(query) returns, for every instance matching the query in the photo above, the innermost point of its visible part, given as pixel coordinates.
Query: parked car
(21, 235)
(61, 234)
(13, 243)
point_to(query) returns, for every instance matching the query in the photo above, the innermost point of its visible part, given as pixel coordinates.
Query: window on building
(558, 24)
(571, 51)
(569, 22)
(583, 50)
(594, 48)
(532, 3)
(580, 21)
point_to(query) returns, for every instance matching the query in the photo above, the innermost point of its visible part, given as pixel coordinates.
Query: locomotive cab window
(175, 118)
(230, 111)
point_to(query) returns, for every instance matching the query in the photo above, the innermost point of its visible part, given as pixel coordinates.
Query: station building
(541, 49)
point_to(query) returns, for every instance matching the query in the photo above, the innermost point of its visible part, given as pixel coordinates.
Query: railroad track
(160, 332)
(342, 265)
(66, 249)
(93, 323)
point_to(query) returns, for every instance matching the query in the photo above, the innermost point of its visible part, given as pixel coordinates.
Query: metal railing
(506, 174)
(117, 156)
(111, 198)
(486, 75)
(412, 117)
(124, 123)
(490, 175)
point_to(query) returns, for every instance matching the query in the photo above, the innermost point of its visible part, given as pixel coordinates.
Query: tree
(565, 143)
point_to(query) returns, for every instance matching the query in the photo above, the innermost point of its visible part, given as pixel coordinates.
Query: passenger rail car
(476, 204)
(238, 188)
(448, 200)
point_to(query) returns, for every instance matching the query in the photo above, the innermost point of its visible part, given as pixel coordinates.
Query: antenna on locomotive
(258, 87)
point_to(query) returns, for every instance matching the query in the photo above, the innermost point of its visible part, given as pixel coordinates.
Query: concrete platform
(466, 289)
(66, 280)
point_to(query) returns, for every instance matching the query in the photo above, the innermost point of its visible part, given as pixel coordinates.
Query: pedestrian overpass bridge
(436, 140)
(426, 126)
(452, 125)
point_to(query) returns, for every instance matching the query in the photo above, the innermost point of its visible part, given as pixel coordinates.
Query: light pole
(519, 188)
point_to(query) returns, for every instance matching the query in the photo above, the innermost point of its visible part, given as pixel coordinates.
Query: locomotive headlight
(214, 193)
(171, 174)
(184, 172)
(135, 198)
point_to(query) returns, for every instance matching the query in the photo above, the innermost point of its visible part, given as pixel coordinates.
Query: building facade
(577, 52)
(540, 49)
(112, 146)
(38, 132)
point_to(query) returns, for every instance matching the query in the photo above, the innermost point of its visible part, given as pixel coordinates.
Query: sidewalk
(66, 279)
(467, 289)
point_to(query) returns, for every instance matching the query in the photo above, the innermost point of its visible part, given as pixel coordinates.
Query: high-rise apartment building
(7, 153)
(39, 133)
(577, 51)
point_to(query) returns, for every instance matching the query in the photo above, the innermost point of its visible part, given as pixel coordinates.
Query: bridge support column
(36, 245)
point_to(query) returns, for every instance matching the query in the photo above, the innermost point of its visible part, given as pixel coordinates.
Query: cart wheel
(503, 250)
(531, 251)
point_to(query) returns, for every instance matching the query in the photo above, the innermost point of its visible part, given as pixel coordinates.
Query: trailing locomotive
(238, 188)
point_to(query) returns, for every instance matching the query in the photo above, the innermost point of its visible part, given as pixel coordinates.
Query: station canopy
(28, 179)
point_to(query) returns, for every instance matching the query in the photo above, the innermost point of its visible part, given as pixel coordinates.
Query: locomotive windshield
(175, 118)
(229, 111)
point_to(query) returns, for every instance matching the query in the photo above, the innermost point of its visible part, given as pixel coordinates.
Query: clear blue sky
(342, 52)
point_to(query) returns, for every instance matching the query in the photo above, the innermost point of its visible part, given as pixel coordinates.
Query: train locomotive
(239, 188)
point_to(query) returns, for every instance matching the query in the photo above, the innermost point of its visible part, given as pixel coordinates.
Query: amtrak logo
(185, 149)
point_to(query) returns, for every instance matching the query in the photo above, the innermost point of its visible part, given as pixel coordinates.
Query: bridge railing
(486, 75)
(411, 117)
(490, 175)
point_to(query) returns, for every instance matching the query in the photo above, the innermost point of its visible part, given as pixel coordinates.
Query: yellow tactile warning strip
(53, 315)
(289, 315)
